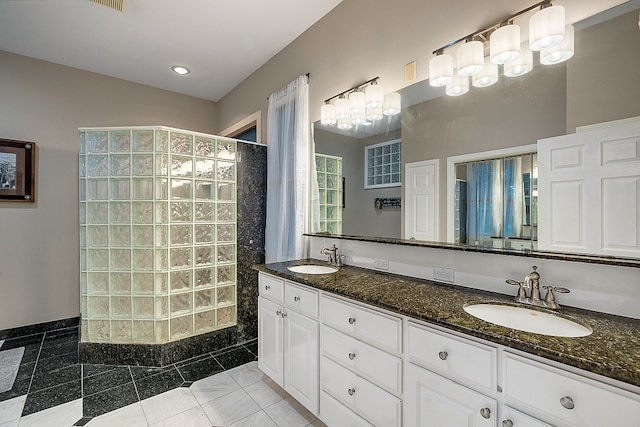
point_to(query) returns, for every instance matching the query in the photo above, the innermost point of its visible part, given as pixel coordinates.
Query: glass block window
(157, 234)
(383, 164)
(329, 170)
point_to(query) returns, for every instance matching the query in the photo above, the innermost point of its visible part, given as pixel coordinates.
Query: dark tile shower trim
(38, 328)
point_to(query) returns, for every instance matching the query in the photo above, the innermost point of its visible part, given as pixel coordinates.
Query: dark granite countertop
(613, 350)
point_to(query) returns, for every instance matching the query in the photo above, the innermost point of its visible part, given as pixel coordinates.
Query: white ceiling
(222, 42)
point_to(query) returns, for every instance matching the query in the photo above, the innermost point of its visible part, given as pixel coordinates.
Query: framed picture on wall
(17, 170)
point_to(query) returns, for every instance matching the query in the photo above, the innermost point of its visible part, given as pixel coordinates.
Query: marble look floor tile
(149, 386)
(53, 396)
(114, 398)
(61, 415)
(259, 419)
(266, 392)
(246, 374)
(236, 357)
(317, 423)
(43, 379)
(14, 423)
(11, 409)
(202, 368)
(194, 417)
(106, 380)
(213, 387)
(21, 383)
(168, 404)
(230, 408)
(288, 412)
(129, 416)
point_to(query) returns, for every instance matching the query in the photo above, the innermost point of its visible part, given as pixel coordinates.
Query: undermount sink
(312, 269)
(527, 320)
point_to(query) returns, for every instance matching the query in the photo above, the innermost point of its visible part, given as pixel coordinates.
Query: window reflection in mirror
(495, 202)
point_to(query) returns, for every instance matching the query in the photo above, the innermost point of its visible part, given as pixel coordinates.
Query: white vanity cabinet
(288, 338)
(438, 377)
(361, 365)
(566, 399)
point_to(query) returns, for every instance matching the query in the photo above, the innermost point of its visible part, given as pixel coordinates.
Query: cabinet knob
(485, 412)
(352, 356)
(296, 298)
(507, 423)
(352, 320)
(351, 391)
(284, 314)
(567, 402)
(443, 355)
(267, 287)
(278, 313)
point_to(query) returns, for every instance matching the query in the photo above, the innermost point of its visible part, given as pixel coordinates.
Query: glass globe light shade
(440, 70)
(470, 58)
(328, 115)
(487, 77)
(375, 95)
(392, 104)
(374, 113)
(504, 44)
(344, 124)
(521, 65)
(357, 102)
(561, 52)
(342, 108)
(458, 86)
(546, 28)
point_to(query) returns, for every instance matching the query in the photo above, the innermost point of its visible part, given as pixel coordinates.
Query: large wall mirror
(599, 84)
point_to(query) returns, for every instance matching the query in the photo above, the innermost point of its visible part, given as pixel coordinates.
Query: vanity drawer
(271, 287)
(457, 358)
(334, 413)
(369, 401)
(371, 362)
(371, 326)
(564, 398)
(518, 419)
(301, 299)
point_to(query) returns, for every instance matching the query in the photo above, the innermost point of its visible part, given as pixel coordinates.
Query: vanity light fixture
(547, 34)
(179, 69)
(361, 105)
(560, 52)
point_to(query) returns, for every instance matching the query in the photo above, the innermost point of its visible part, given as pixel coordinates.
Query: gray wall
(603, 82)
(47, 103)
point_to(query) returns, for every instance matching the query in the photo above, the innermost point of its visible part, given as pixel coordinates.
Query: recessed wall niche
(157, 234)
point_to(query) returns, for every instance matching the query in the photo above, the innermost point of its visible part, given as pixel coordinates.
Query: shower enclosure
(157, 234)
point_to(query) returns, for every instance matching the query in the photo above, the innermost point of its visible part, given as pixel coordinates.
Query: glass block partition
(329, 171)
(157, 234)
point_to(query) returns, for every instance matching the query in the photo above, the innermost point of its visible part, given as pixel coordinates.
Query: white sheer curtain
(289, 154)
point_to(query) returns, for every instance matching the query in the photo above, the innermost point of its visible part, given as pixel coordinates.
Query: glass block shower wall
(157, 234)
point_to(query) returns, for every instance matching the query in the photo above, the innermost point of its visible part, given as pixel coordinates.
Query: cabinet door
(270, 345)
(434, 401)
(301, 365)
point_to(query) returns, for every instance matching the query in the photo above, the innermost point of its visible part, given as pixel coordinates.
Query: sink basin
(312, 269)
(527, 320)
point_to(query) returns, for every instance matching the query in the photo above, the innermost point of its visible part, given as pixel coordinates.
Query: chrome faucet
(532, 281)
(334, 258)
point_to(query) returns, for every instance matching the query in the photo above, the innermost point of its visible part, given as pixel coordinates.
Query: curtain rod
(308, 75)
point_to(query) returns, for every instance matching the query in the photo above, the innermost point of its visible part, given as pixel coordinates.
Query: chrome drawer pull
(443, 355)
(567, 402)
(507, 423)
(352, 356)
(267, 287)
(352, 320)
(351, 391)
(486, 413)
(296, 299)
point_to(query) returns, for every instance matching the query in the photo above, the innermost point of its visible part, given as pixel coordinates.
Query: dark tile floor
(50, 374)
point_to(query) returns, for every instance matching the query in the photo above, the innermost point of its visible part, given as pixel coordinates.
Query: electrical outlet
(381, 264)
(442, 274)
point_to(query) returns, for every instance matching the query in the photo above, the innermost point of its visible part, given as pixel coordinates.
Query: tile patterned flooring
(213, 389)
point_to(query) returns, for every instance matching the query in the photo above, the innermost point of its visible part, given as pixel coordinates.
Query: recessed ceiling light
(180, 69)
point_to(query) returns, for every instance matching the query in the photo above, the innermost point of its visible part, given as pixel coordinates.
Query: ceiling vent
(118, 5)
